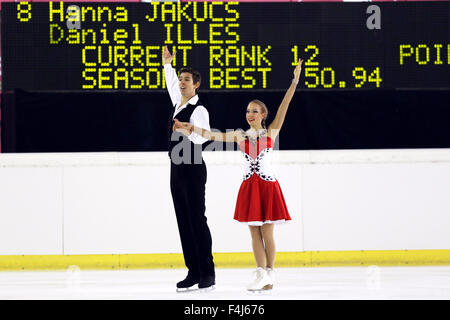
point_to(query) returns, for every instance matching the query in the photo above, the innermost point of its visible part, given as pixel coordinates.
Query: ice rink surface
(367, 283)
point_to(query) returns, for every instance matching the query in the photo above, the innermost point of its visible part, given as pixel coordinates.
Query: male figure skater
(188, 175)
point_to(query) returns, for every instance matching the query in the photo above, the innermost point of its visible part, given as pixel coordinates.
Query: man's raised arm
(171, 77)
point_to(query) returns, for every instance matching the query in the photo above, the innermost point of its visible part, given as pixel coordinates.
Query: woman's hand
(183, 127)
(167, 57)
(298, 70)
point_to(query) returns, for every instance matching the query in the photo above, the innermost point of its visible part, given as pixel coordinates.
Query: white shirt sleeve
(172, 84)
(200, 119)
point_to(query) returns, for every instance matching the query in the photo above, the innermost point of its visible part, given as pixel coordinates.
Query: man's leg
(202, 234)
(178, 187)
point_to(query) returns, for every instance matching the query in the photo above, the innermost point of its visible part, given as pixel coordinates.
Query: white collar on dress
(253, 135)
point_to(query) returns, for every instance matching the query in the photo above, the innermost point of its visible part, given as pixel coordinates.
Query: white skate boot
(262, 282)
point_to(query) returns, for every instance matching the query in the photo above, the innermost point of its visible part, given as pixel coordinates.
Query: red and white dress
(260, 199)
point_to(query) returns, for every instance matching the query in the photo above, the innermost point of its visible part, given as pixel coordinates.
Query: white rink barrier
(120, 203)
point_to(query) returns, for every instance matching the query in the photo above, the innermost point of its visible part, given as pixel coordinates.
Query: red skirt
(260, 202)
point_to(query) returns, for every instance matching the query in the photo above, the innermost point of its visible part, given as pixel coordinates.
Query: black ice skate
(207, 283)
(188, 284)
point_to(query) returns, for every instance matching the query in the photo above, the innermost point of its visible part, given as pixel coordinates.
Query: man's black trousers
(187, 184)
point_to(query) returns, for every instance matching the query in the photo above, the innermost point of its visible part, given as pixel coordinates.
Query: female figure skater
(260, 202)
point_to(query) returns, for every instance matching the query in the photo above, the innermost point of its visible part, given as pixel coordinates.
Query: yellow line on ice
(226, 260)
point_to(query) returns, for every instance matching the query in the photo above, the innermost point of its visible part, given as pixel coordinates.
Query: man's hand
(167, 57)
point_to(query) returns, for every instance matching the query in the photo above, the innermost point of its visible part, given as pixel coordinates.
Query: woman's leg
(258, 246)
(269, 244)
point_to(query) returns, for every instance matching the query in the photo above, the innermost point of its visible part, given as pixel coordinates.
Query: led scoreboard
(235, 46)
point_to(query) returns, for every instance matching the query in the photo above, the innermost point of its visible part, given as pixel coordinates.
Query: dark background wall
(125, 121)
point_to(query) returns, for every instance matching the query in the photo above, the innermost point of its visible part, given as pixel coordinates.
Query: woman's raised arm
(277, 123)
